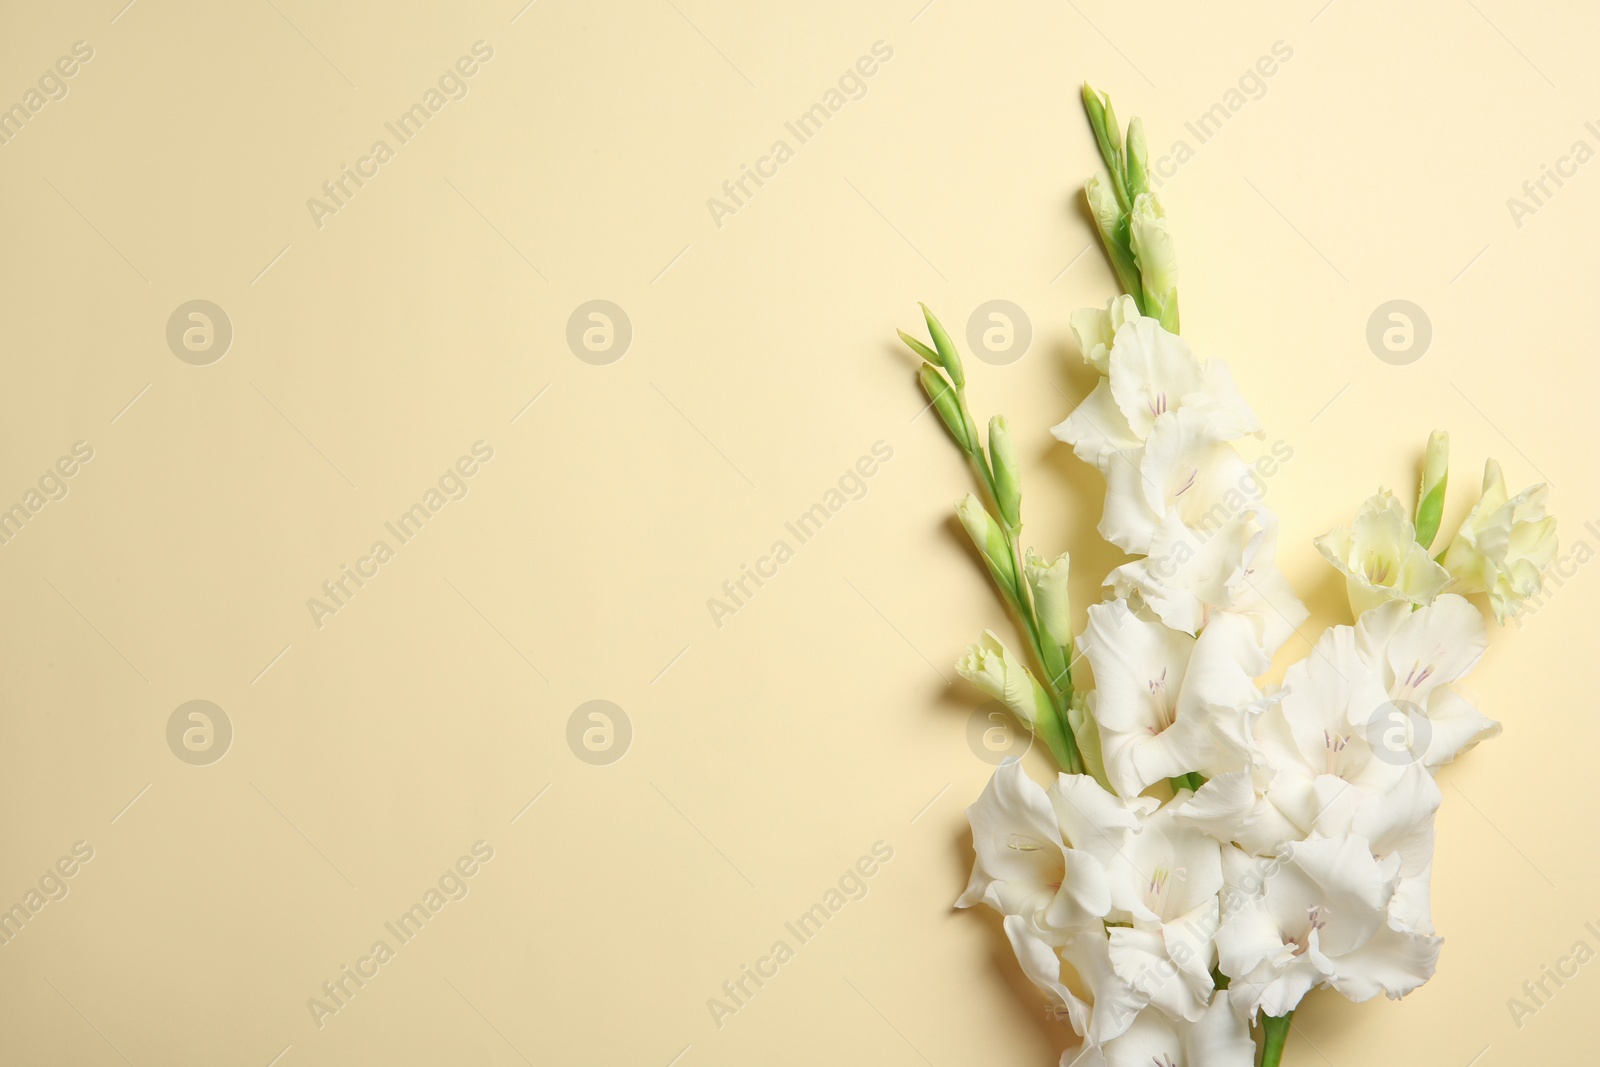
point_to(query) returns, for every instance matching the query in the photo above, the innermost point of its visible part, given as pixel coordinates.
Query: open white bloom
(1026, 868)
(1504, 546)
(1312, 742)
(1380, 558)
(1414, 656)
(1165, 877)
(1341, 747)
(1151, 943)
(1096, 329)
(1040, 863)
(1168, 703)
(1323, 916)
(1219, 1038)
(1112, 1005)
(1192, 573)
(1183, 470)
(1150, 373)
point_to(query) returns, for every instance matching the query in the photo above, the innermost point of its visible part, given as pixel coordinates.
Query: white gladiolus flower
(1312, 740)
(1415, 655)
(1151, 372)
(1219, 1038)
(1096, 329)
(1111, 1006)
(1025, 868)
(1040, 863)
(1191, 574)
(1165, 887)
(1380, 558)
(1168, 703)
(1182, 470)
(1504, 546)
(1323, 916)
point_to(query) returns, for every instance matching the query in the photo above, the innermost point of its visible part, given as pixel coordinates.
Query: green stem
(1275, 1029)
(1066, 751)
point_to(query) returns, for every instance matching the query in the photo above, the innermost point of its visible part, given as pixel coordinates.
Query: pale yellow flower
(1380, 558)
(1504, 546)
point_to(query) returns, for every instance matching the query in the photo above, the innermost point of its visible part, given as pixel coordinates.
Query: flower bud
(1113, 136)
(1052, 603)
(1095, 106)
(1430, 496)
(949, 358)
(1102, 205)
(944, 402)
(1007, 481)
(990, 541)
(991, 667)
(1138, 159)
(1107, 214)
(1156, 259)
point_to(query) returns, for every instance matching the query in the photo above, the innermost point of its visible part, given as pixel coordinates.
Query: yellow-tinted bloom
(1504, 546)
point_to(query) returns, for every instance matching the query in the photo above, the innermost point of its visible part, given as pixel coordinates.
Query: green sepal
(945, 403)
(949, 358)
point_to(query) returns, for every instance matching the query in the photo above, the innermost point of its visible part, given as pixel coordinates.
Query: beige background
(767, 755)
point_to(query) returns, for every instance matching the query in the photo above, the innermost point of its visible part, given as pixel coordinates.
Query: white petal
(1138, 666)
(1434, 645)
(1043, 968)
(1220, 1039)
(1392, 962)
(1115, 1003)
(1151, 372)
(1141, 959)
(1091, 818)
(1151, 1039)
(1247, 939)
(1222, 806)
(1400, 821)
(1097, 429)
(1456, 727)
(1018, 844)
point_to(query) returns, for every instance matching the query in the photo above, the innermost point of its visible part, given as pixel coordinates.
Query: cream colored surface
(770, 753)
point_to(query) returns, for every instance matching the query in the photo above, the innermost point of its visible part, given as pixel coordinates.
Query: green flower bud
(991, 543)
(1156, 260)
(949, 358)
(991, 667)
(1138, 159)
(1007, 480)
(1052, 603)
(1113, 137)
(1113, 229)
(1430, 496)
(1108, 137)
(1095, 107)
(944, 402)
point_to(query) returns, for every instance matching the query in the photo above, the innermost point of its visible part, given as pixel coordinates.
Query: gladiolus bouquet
(1212, 851)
